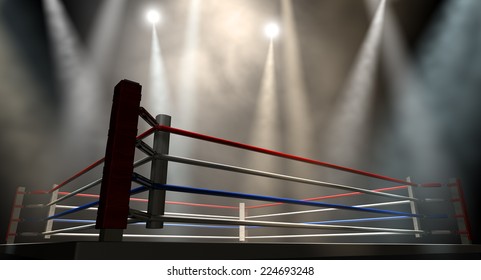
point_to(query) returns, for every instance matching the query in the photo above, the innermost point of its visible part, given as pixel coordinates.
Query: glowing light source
(272, 30)
(153, 16)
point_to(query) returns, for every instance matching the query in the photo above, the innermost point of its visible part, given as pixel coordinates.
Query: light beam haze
(416, 129)
(450, 67)
(78, 86)
(188, 68)
(105, 34)
(347, 131)
(183, 105)
(25, 119)
(265, 129)
(296, 114)
(298, 117)
(158, 99)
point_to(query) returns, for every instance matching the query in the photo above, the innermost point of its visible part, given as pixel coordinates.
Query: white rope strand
(89, 226)
(325, 235)
(328, 209)
(149, 236)
(166, 218)
(95, 183)
(243, 170)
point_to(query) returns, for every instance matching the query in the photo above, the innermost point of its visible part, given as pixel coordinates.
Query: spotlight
(153, 16)
(272, 30)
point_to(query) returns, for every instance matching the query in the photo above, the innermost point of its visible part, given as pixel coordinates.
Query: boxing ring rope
(167, 218)
(329, 197)
(157, 217)
(242, 146)
(237, 169)
(236, 222)
(93, 184)
(216, 221)
(329, 209)
(91, 226)
(186, 189)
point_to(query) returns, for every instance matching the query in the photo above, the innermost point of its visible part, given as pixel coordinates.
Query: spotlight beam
(298, 121)
(105, 34)
(78, 82)
(159, 93)
(188, 71)
(264, 131)
(347, 130)
(185, 98)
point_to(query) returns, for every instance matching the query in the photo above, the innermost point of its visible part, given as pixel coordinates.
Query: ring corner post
(113, 208)
(51, 211)
(158, 173)
(461, 211)
(15, 215)
(414, 209)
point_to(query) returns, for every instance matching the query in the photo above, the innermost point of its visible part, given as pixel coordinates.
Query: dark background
(330, 34)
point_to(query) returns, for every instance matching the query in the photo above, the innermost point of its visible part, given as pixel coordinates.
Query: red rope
(146, 133)
(81, 194)
(431, 185)
(329, 196)
(167, 202)
(277, 154)
(95, 164)
(201, 205)
(78, 174)
(240, 146)
(245, 147)
(38, 192)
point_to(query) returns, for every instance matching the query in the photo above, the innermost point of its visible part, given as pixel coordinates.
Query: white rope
(34, 206)
(73, 207)
(95, 183)
(169, 213)
(148, 236)
(202, 215)
(164, 218)
(243, 170)
(89, 226)
(82, 189)
(328, 209)
(324, 235)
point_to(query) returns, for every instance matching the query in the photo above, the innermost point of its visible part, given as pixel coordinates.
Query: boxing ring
(116, 215)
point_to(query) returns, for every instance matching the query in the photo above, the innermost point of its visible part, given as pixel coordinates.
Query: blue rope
(143, 180)
(360, 220)
(80, 208)
(73, 221)
(185, 189)
(200, 226)
(143, 223)
(92, 204)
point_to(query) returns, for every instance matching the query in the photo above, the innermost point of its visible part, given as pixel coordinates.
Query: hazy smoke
(350, 117)
(25, 120)
(299, 123)
(450, 68)
(79, 86)
(159, 97)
